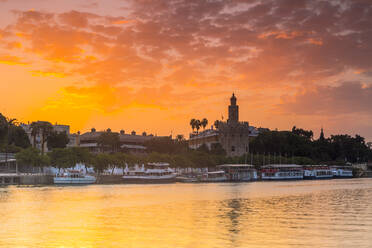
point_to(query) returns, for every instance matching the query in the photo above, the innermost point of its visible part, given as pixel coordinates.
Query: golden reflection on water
(330, 213)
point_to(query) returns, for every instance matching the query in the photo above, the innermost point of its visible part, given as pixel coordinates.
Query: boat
(73, 177)
(213, 176)
(239, 172)
(282, 172)
(186, 179)
(152, 173)
(317, 172)
(342, 171)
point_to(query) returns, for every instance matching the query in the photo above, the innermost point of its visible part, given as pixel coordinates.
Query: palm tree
(197, 125)
(192, 124)
(216, 123)
(7, 124)
(46, 130)
(204, 123)
(35, 129)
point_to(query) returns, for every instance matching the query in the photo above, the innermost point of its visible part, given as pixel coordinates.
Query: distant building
(73, 138)
(132, 143)
(233, 135)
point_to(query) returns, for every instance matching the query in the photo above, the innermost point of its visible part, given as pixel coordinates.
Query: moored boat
(282, 172)
(239, 172)
(213, 176)
(317, 172)
(342, 171)
(152, 173)
(73, 177)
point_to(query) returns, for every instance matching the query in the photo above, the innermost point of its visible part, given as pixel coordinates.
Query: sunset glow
(153, 65)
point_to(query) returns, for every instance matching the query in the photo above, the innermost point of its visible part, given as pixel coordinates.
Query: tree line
(298, 142)
(295, 146)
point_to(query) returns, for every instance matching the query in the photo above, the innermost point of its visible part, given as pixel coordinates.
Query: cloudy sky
(149, 65)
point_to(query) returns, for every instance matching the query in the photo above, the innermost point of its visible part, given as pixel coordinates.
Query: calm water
(332, 213)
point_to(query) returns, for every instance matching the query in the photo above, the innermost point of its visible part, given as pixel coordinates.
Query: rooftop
(282, 166)
(236, 165)
(123, 137)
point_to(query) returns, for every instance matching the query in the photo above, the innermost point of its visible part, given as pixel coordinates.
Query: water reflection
(287, 214)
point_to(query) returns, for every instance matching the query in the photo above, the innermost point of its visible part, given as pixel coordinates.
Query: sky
(152, 65)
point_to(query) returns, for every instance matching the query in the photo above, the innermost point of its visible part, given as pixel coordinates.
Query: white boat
(153, 173)
(73, 177)
(239, 172)
(342, 171)
(317, 172)
(282, 172)
(213, 176)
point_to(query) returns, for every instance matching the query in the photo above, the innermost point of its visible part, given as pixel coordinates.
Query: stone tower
(233, 111)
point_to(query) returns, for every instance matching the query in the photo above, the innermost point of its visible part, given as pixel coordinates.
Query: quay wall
(109, 179)
(36, 179)
(22, 179)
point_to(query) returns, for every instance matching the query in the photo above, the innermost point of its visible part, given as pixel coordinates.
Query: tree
(216, 123)
(69, 157)
(31, 157)
(166, 145)
(6, 126)
(62, 158)
(197, 125)
(101, 162)
(18, 137)
(57, 140)
(81, 155)
(109, 140)
(192, 124)
(302, 132)
(3, 127)
(45, 129)
(204, 123)
(35, 128)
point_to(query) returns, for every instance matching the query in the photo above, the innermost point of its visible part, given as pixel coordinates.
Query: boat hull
(283, 178)
(318, 177)
(150, 180)
(213, 180)
(77, 181)
(186, 179)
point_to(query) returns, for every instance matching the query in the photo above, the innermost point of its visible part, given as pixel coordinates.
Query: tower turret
(233, 111)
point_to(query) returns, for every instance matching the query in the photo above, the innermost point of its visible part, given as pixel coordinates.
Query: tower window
(233, 148)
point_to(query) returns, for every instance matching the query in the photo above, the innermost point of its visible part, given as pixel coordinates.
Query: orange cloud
(48, 74)
(123, 21)
(315, 41)
(184, 58)
(12, 60)
(281, 34)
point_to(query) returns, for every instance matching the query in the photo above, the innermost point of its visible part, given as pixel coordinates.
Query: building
(132, 142)
(233, 135)
(73, 138)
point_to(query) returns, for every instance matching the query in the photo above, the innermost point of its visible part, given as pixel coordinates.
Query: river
(325, 213)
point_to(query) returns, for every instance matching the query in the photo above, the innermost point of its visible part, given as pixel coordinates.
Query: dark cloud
(346, 98)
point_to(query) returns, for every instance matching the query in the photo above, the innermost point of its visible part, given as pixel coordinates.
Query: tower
(321, 137)
(233, 111)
